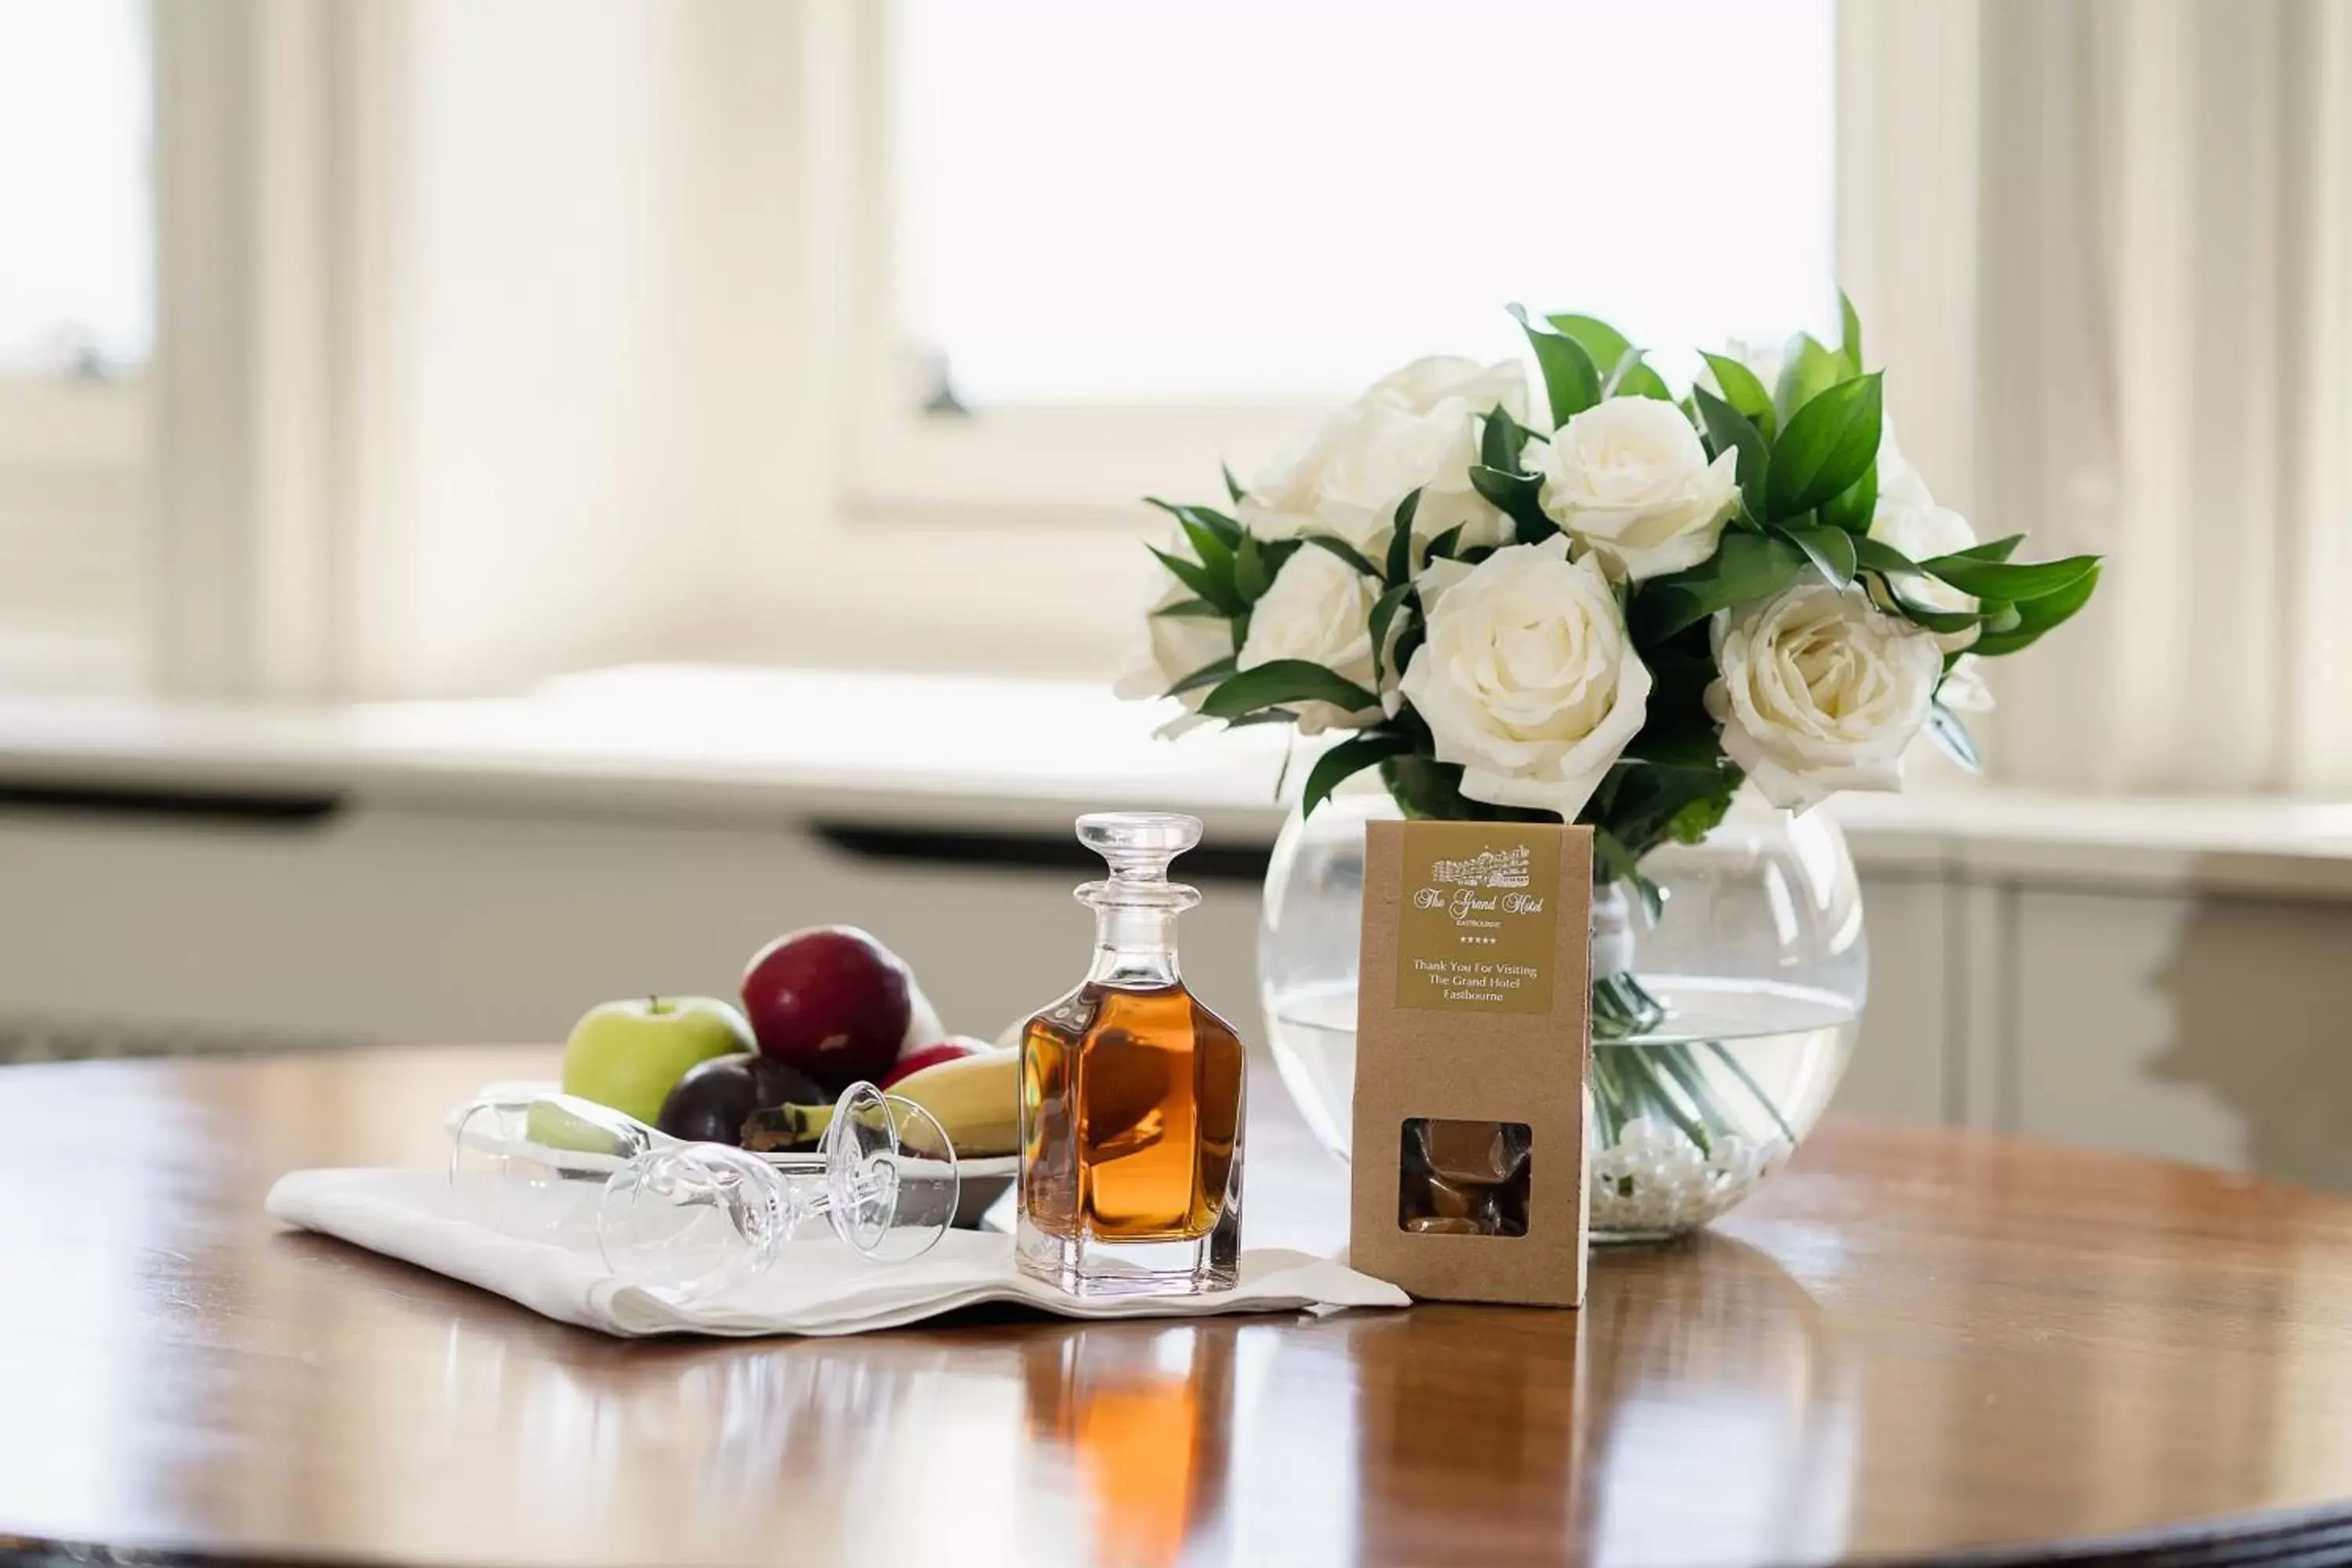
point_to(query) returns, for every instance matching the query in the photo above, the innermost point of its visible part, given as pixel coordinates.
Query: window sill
(976, 754)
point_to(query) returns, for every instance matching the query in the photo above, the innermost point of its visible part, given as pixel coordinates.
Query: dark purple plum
(711, 1102)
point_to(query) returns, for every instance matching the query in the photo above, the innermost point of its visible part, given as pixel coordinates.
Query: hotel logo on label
(1487, 869)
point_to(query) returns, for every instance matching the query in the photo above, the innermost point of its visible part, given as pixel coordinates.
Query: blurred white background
(1240, 200)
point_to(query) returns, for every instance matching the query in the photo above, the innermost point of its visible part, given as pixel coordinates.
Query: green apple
(629, 1055)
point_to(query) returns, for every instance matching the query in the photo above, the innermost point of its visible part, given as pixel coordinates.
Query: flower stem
(1755, 1089)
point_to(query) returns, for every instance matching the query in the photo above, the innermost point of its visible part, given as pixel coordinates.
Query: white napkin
(819, 1286)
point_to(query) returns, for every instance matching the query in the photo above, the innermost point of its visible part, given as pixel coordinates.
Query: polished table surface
(1917, 1343)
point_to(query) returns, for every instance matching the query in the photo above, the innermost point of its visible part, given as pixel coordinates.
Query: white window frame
(1906, 80)
(1025, 464)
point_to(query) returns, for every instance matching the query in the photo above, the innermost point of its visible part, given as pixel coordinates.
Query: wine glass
(690, 1220)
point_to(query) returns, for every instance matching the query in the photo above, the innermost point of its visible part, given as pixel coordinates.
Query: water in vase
(1687, 1119)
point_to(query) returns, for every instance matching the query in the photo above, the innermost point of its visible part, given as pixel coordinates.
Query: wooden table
(1917, 1343)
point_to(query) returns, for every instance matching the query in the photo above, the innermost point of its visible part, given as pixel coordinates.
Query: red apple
(947, 1050)
(831, 1002)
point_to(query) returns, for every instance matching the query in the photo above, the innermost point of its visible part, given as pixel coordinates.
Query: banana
(976, 1098)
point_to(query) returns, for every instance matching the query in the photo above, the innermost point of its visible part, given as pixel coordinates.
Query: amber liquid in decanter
(1131, 1095)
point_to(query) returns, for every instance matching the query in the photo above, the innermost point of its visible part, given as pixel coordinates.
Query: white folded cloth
(818, 1287)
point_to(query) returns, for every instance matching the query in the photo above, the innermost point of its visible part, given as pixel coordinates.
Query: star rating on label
(1480, 940)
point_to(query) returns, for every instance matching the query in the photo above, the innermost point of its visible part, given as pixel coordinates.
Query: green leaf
(1212, 551)
(1807, 370)
(1747, 566)
(1217, 590)
(1954, 737)
(1345, 552)
(1346, 760)
(1207, 675)
(1400, 538)
(1849, 334)
(1695, 746)
(1695, 819)
(1519, 497)
(1384, 610)
(1733, 431)
(1280, 683)
(1830, 549)
(1919, 614)
(1853, 508)
(1640, 380)
(1571, 381)
(1744, 391)
(1501, 440)
(1530, 531)
(2000, 579)
(1416, 633)
(1201, 607)
(1603, 344)
(1826, 446)
(1233, 485)
(1252, 575)
(1442, 547)
(2037, 617)
(1632, 378)
(1611, 351)
(1226, 530)
(1512, 494)
(1998, 550)
(1875, 556)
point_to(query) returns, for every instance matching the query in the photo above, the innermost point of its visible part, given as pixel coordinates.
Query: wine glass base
(1092, 1266)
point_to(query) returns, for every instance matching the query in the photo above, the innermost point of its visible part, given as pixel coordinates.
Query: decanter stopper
(1139, 847)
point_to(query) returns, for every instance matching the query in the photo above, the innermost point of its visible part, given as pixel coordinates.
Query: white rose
(1912, 522)
(1528, 678)
(1416, 429)
(1629, 478)
(1318, 609)
(1819, 691)
(1169, 648)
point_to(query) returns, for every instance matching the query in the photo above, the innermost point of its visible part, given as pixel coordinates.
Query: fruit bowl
(982, 1181)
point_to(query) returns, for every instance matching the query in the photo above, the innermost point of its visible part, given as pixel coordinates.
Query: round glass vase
(1720, 1026)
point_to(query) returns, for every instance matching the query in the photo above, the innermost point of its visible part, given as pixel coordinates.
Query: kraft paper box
(1472, 1050)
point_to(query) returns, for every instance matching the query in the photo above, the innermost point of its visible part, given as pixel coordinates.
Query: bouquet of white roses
(1613, 618)
(1612, 614)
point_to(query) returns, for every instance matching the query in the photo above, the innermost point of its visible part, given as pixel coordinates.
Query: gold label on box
(1477, 923)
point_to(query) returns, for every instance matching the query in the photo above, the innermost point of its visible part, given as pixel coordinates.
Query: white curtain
(2163, 359)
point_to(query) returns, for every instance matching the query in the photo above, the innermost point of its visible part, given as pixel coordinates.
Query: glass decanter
(1131, 1094)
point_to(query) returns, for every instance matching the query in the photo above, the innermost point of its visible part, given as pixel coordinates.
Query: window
(1271, 203)
(77, 321)
(75, 291)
